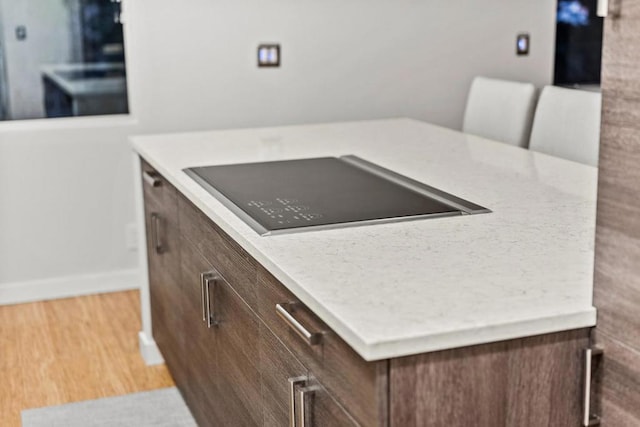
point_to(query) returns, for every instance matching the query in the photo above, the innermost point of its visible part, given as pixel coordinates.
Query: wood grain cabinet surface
(532, 381)
(617, 261)
(199, 344)
(239, 371)
(163, 255)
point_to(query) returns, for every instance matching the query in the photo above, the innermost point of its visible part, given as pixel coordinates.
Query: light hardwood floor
(71, 350)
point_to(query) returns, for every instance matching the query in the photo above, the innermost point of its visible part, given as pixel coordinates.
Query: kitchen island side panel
(617, 250)
(535, 381)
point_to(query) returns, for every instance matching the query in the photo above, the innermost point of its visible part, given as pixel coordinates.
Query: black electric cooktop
(308, 194)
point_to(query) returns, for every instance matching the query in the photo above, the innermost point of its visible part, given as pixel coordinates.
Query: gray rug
(163, 407)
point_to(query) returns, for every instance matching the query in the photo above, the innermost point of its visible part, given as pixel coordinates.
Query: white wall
(3, 84)
(341, 59)
(65, 199)
(48, 41)
(65, 194)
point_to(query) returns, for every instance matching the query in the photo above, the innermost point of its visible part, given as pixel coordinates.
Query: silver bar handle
(612, 8)
(304, 394)
(151, 179)
(155, 232)
(211, 277)
(603, 8)
(294, 383)
(312, 338)
(588, 418)
(204, 310)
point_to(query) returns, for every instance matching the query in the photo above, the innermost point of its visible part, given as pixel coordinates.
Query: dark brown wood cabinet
(221, 321)
(223, 386)
(253, 368)
(617, 262)
(199, 342)
(163, 254)
(495, 377)
(230, 367)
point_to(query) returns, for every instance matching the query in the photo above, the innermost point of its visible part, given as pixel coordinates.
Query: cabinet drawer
(359, 386)
(270, 292)
(237, 267)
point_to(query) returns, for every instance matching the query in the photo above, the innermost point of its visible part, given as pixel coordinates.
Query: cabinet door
(201, 387)
(617, 270)
(163, 256)
(237, 338)
(223, 359)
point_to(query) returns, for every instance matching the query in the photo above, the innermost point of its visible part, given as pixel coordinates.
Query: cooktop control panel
(285, 211)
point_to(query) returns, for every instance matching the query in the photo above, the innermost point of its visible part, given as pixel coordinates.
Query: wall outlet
(131, 237)
(21, 32)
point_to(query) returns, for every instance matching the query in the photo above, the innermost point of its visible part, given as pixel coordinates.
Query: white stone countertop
(396, 289)
(83, 87)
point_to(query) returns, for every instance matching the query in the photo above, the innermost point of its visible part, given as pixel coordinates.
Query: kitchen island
(508, 291)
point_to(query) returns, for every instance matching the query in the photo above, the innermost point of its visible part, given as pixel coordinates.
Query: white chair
(500, 110)
(567, 124)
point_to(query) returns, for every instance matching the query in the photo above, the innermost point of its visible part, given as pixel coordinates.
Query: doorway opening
(578, 54)
(61, 59)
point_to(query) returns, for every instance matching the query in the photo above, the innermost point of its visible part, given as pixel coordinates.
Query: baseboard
(70, 286)
(149, 350)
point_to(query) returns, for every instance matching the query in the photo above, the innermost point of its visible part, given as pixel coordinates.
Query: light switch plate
(269, 55)
(522, 44)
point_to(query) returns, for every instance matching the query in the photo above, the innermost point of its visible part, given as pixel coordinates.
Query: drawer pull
(202, 298)
(210, 277)
(312, 338)
(294, 383)
(151, 179)
(155, 232)
(589, 419)
(304, 394)
(607, 8)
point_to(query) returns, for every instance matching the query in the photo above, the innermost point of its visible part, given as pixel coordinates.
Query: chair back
(567, 124)
(500, 110)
